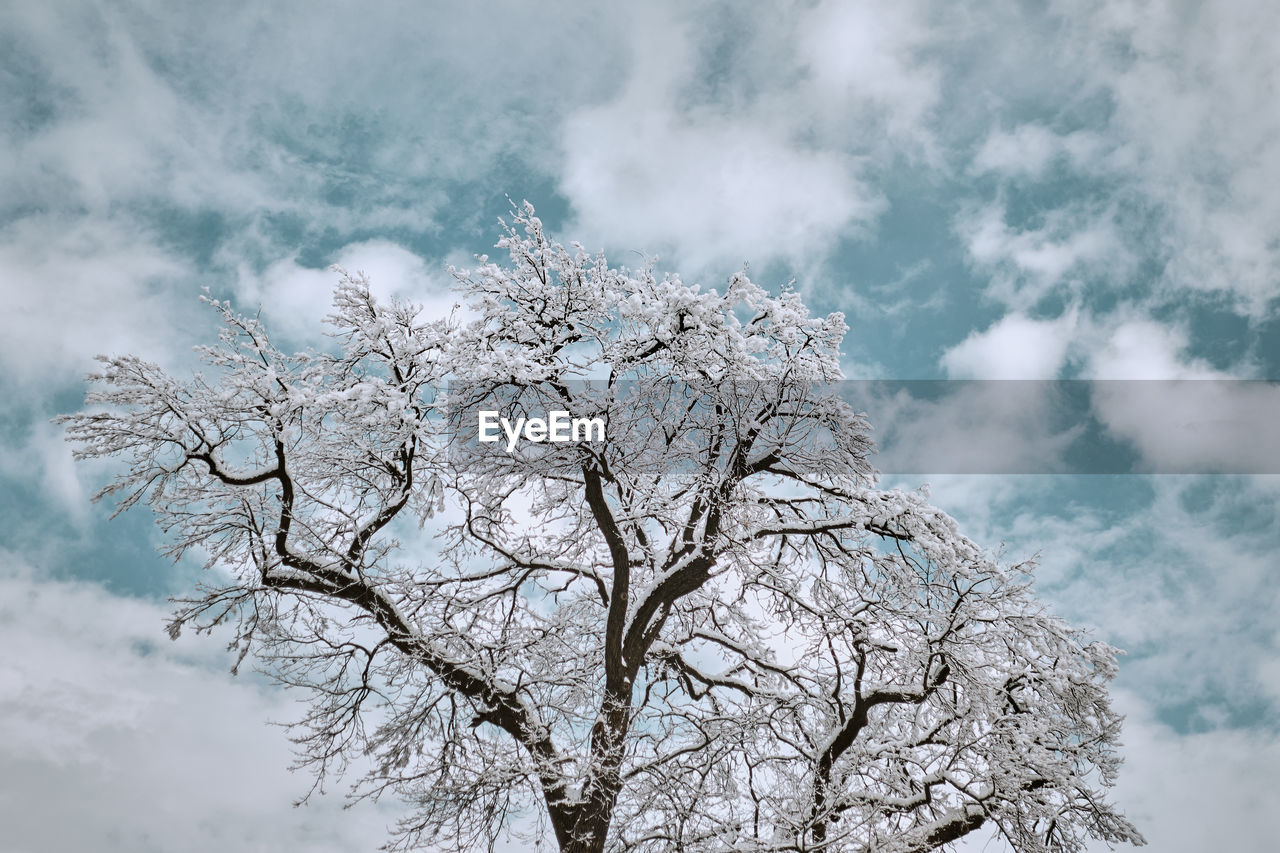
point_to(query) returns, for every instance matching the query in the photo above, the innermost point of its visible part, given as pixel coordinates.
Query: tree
(708, 631)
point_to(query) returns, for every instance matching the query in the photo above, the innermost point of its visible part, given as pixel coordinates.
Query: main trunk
(594, 815)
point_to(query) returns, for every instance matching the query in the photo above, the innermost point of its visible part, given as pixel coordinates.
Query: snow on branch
(709, 630)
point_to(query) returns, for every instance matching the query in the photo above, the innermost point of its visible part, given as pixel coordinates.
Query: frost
(712, 631)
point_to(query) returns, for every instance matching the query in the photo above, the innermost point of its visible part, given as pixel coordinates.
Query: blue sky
(988, 190)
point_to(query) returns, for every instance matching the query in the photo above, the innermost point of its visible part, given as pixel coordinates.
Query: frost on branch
(711, 631)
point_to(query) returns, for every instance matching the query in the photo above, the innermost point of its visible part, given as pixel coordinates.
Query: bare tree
(708, 631)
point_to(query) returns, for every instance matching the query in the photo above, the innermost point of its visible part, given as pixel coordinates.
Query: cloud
(708, 191)
(363, 118)
(1014, 347)
(1178, 571)
(1190, 94)
(965, 427)
(1196, 426)
(295, 299)
(1186, 793)
(1133, 154)
(1163, 111)
(876, 58)
(114, 129)
(43, 458)
(1031, 149)
(76, 288)
(155, 746)
(1048, 257)
(777, 161)
(1179, 412)
(707, 185)
(1190, 793)
(1140, 348)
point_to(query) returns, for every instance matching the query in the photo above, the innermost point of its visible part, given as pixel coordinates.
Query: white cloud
(1207, 427)
(1189, 793)
(365, 117)
(295, 299)
(43, 458)
(1164, 111)
(1139, 348)
(707, 185)
(1191, 131)
(708, 191)
(152, 743)
(1027, 263)
(1193, 104)
(120, 131)
(975, 427)
(1180, 573)
(73, 289)
(1173, 577)
(1186, 793)
(1179, 412)
(1030, 149)
(778, 164)
(1014, 347)
(876, 53)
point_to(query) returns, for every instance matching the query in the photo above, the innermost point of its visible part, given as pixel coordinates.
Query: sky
(997, 190)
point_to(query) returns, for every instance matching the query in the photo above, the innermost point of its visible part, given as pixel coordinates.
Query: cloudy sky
(995, 190)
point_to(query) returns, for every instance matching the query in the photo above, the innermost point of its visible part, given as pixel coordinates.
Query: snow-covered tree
(708, 631)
